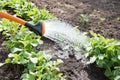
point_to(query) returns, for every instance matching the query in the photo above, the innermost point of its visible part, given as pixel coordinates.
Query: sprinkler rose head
(38, 28)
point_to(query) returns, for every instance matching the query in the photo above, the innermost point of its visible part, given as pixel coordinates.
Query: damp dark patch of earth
(69, 10)
(74, 66)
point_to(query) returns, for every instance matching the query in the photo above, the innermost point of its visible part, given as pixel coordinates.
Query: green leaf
(16, 56)
(10, 55)
(114, 59)
(34, 44)
(34, 60)
(111, 47)
(7, 60)
(59, 61)
(101, 57)
(47, 56)
(13, 50)
(100, 63)
(92, 59)
(26, 76)
(1, 64)
(31, 66)
(93, 34)
(108, 72)
(117, 77)
(119, 57)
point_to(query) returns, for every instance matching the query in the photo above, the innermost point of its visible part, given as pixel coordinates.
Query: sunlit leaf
(26, 76)
(34, 60)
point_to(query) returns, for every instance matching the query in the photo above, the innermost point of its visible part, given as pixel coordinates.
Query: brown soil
(8, 71)
(3, 51)
(70, 10)
(11, 72)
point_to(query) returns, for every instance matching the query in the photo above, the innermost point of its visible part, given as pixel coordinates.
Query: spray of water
(64, 34)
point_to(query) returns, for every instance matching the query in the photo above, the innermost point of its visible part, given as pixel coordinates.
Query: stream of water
(64, 34)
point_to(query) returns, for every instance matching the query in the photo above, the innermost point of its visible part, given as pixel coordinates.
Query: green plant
(102, 19)
(84, 19)
(22, 43)
(106, 54)
(118, 18)
(26, 10)
(39, 65)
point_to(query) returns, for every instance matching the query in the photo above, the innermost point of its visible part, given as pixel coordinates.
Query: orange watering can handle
(11, 17)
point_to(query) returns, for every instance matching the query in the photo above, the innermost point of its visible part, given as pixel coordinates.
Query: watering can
(38, 28)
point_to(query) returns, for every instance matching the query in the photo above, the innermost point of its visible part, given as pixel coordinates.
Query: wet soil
(74, 66)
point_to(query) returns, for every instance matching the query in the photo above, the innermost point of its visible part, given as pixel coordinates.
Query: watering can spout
(38, 28)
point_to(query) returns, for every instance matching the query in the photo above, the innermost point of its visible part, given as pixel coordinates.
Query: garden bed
(70, 11)
(103, 18)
